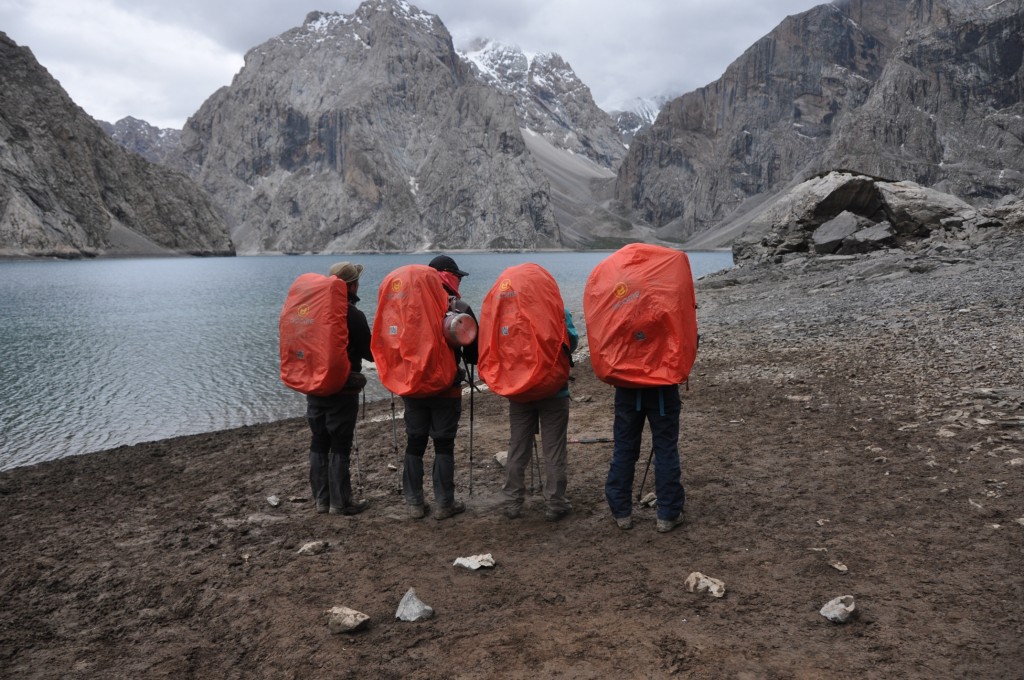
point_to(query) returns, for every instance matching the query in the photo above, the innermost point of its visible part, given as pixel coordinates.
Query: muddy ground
(863, 413)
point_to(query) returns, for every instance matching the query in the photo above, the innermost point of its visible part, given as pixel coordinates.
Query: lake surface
(97, 354)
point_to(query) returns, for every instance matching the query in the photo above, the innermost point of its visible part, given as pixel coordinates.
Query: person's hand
(356, 381)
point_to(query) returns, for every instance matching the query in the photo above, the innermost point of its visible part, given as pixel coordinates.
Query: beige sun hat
(346, 271)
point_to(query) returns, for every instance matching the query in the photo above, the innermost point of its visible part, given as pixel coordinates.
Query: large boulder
(845, 213)
(829, 237)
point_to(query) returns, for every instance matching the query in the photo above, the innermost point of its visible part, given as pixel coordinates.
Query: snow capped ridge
(645, 108)
(499, 63)
(323, 22)
(400, 9)
(550, 99)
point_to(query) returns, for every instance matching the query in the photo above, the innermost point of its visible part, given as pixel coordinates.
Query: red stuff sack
(313, 331)
(524, 341)
(641, 317)
(412, 356)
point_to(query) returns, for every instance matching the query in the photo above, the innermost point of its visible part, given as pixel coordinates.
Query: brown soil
(863, 412)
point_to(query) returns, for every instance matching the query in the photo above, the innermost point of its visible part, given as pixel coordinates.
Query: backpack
(313, 334)
(641, 317)
(408, 343)
(524, 342)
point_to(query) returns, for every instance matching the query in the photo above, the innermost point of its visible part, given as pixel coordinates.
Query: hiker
(661, 407)
(550, 417)
(437, 417)
(641, 322)
(332, 418)
(526, 342)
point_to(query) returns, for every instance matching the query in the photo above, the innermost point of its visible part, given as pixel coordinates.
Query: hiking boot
(446, 511)
(354, 509)
(555, 514)
(667, 525)
(513, 511)
(322, 508)
(624, 523)
(418, 510)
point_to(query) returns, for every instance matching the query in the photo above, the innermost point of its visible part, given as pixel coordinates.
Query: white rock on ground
(344, 620)
(839, 610)
(699, 583)
(314, 548)
(411, 608)
(475, 561)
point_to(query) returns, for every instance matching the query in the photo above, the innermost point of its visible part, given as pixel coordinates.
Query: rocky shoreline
(862, 412)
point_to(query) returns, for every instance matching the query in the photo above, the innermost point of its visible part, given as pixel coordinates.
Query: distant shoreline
(9, 257)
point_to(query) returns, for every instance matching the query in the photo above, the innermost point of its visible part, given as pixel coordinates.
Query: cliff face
(68, 190)
(927, 90)
(367, 131)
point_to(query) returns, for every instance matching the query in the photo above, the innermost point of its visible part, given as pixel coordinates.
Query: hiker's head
(348, 272)
(443, 263)
(450, 273)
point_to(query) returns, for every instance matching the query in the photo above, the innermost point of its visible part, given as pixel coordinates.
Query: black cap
(443, 263)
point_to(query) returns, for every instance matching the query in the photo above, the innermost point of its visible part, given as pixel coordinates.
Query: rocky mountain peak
(156, 145)
(367, 131)
(637, 115)
(550, 99)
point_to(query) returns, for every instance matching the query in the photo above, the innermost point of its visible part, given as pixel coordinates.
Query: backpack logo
(303, 310)
(505, 285)
(620, 290)
(396, 286)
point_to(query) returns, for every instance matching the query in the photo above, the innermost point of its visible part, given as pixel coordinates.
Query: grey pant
(551, 418)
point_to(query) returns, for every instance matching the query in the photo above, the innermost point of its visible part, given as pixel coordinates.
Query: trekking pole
(394, 440)
(472, 388)
(534, 464)
(640, 493)
(355, 454)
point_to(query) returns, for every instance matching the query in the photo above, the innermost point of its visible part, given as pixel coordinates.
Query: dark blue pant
(660, 406)
(332, 422)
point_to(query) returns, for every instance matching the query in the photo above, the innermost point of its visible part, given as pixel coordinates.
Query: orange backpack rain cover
(413, 359)
(641, 317)
(523, 335)
(313, 331)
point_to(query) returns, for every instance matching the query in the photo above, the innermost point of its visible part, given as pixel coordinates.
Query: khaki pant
(551, 418)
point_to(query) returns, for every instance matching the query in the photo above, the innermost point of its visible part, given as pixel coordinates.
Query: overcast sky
(158, 60)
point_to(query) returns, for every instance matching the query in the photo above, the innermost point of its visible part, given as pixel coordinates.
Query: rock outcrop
(367, 132)
(927, 91)
(68, 190)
